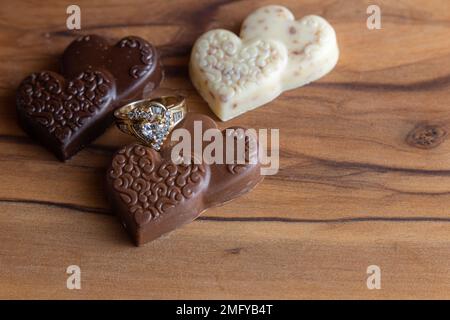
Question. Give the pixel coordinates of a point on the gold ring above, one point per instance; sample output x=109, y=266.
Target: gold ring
x=151, y=120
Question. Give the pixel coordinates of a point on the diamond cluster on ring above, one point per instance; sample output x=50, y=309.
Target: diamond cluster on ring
x=153, y=125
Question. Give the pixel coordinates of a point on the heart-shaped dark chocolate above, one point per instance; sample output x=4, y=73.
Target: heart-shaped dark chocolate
x=62, y=113
x=66, y=112
x=152, y=195
x=133, y=62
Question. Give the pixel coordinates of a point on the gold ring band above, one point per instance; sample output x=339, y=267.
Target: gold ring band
x=151, y=120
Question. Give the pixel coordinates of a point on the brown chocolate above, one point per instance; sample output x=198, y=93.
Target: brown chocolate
x=67, y=111
x=133, y=62
x=63, y=115
x=152, y=196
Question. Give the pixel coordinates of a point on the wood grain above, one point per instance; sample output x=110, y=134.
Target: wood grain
x=356, y=185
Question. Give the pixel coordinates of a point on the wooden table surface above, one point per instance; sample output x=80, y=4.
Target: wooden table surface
x=352, y=190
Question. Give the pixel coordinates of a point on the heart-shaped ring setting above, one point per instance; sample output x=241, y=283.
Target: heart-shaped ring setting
x=151, y=120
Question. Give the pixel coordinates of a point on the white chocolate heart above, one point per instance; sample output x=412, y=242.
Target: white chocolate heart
x=235, y=76
x=274, y=53
x=310, y=41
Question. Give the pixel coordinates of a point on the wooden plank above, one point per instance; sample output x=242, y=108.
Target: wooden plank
x=352, y=189
x=213, y=259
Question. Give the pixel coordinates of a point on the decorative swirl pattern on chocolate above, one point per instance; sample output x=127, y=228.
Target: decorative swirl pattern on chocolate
x=147, y=55
x=236, y=168
x=150, y=186
x=63, y=107
x=229, y=67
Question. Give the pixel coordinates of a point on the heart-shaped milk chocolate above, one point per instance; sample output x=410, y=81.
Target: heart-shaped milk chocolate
x=152, y=195
x=65, y=112
x=62, y=113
